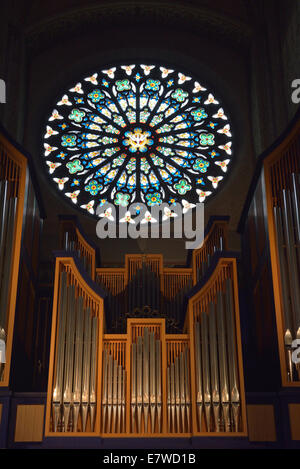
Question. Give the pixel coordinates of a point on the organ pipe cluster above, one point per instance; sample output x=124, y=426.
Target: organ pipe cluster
x=217, y=387
x=287, y=226
x=147, y=387
x=113, y=395
x=8, y=207
x=74, y=391
x=72, y=245
x=146, y=384
x=218, y=245
x=178, y=394
x=142, y=297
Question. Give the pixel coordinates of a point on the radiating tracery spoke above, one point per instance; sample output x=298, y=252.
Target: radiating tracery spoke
x=137, y=133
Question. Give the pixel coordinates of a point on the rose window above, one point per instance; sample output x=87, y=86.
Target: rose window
x=137, y=133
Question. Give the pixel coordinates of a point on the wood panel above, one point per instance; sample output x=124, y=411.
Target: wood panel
x=29, y=423
x=294, y=414
x=261, y=423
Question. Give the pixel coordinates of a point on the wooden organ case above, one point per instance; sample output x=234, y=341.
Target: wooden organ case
x=21, y=219
x=146, y=350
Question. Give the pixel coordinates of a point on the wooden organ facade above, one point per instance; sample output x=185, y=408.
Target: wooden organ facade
x=142, y=382
x=197, y=352
x=22, y=216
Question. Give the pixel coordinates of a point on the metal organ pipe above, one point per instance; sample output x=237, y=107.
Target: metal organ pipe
x=146, y=392
x=217, y=383
x=287, y=228
x=74, y=388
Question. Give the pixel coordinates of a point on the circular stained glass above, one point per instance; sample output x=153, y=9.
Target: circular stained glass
x=137, y=133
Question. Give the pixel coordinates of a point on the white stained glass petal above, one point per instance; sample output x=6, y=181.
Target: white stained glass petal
x=93, y=79
x=147, y=68
x=73, y=196
x=198, y=87
x=107, y=214
x=168, y=214
x=226, y=148
x=52, y=166
x=77, y=89
x=49, y=132
x=187, y=206
x=215, y=180
x=220, y=114
x=148, y=218
x=223, y=165
x=110, y=72
x=60, y=182
x=127, y=218
x=182, y=78
x=55, y=115
x=128, y=68
x=202, y=194
x=64, y=101
x=211, y=100
x=165, y=71
x=49, y=149
x=225, y=130
x=89, y=206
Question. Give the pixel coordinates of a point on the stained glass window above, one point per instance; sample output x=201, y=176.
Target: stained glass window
x=137, y=133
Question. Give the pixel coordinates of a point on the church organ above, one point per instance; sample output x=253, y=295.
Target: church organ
x=122, y=374
x=148, y=350
x=270, y=232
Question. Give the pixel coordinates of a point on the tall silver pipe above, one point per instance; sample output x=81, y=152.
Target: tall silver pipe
x=69, y=356
x=214, y=366
x=187, y=388
x=292, y=259
x=119, y=401
x=182, y=390
x=93, y=366
x=109, y=392
x=104, y=389
x=169, y=398
x=232, y=355
x=123, y=400
x=223, y=362
x=177, y=394
x=115, y=395
x=59, y=368
x=206, y=370
x=172, y=393
x=296, y=204
x=133, y=386
x=76, y=397
x=287, y=307
x=152, y=381
x=199, y=395
x=85, y=397
x=146, y=377
x=139, y=380
x=158, y=384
